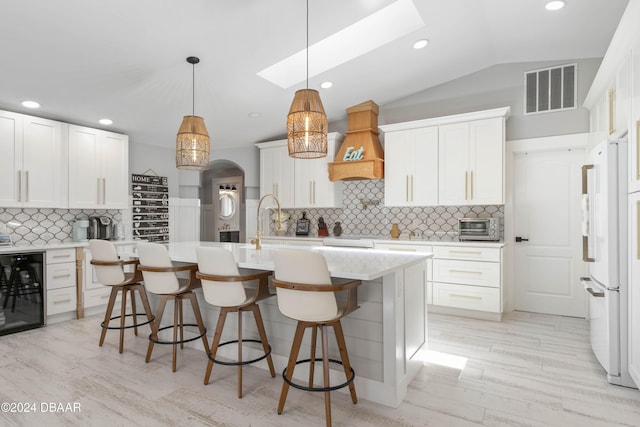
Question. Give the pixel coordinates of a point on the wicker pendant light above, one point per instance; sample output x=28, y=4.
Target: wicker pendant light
x=307, y=121
x=193, y=144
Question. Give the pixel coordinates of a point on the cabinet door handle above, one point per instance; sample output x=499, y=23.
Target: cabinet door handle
x=104, y=191
x=61, y=276
x=62, y=301
x=406, y=188
x=471, y=185
x=412, y=193
x=98, y=187
x=314, y=192
x=466, y=185
x=310, y=193
x=61, y=256
x=26, y=185
x=19, y=185
x=612, y=97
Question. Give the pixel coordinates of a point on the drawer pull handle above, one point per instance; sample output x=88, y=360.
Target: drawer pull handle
x=61, y=301
x=104, y=296
x=61, y=256
x=466, y=252
x=465, y=272
x=61, y=276
x=402, y=250
x=465, y=296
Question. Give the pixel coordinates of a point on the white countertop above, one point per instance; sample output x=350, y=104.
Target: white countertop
x=382, y=239
x=53, y=246
x=346, y=263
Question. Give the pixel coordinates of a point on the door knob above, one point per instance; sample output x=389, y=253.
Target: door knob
x=521, y=239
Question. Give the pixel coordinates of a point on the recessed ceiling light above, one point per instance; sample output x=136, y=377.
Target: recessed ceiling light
x=326, y=85
x=555, y=5
x=254, y=115
x=420, y=44
x=30, y=104
x=105, y=121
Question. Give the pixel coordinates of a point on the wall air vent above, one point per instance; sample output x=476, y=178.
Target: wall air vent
x=550, y=89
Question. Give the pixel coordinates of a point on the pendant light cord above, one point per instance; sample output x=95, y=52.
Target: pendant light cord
x=193, y=89
x=307, y=44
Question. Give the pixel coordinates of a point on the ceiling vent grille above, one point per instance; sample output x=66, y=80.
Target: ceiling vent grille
x=550, y=89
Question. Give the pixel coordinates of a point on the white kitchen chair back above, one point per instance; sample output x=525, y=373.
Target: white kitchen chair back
x=304, y=267
x=156, y=255
x=103, y=250
x=220, y=262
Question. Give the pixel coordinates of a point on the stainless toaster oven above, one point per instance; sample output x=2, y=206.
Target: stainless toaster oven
x=479, y=229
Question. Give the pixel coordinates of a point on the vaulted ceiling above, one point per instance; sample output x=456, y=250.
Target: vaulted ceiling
x=83, y=60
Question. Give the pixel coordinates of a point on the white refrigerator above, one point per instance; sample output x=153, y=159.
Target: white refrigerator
x=605, y=234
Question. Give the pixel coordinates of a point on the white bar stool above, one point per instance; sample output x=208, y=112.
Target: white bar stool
x=110, y=272
x=223, y=286
x=306, y=294
x=160, y=278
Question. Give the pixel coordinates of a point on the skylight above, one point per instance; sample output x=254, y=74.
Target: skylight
x=376, y=30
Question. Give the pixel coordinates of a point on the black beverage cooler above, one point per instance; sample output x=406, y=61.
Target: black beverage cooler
x=21, y=292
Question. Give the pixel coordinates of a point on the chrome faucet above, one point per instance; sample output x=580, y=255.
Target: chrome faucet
x=259, y=216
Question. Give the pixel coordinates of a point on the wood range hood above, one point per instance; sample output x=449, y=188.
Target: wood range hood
x=360, y=155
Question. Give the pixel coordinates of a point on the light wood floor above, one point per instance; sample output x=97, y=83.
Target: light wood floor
x=528, y=370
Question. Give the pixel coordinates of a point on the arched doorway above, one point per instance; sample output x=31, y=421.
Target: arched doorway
x=222, y=203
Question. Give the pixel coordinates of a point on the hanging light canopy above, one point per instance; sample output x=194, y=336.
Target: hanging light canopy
x=193, y=144
x=307, y=121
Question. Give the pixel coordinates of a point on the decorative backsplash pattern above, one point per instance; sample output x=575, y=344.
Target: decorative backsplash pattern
x=41, y=225
x=364, y=214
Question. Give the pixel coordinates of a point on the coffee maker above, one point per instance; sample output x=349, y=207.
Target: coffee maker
x=100, y=227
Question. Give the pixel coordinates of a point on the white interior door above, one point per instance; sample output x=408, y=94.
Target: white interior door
x=548, y=261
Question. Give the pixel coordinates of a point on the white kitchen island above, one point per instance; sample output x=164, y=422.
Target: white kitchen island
x=383, y=336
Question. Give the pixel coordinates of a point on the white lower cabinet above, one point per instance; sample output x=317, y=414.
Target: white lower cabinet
x=466, y=297
x=61, y=281
x=468, y=278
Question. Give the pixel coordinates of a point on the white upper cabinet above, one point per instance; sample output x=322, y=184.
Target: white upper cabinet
x=299, y=183
x=98, y=169
x=277, y=172
x=411, y=167
x=471, y=163
x=34, y=172
x=312, y=186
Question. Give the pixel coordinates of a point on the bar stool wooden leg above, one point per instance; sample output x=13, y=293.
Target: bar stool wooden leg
x=176, y=308
x=222, y=317
x=155, y=326
x=325, y=371
x=293, y=357
x=263, y=337
x=123, y=312
x=342, y=347
x=132, y=295
x=107, y=316
x=312, y=363
x=199, y=321
x=239, y=353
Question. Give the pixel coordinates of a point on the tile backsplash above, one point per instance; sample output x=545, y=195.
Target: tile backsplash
x=31, y=226
x=364, y=214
